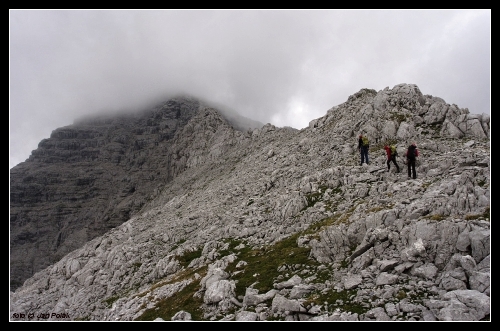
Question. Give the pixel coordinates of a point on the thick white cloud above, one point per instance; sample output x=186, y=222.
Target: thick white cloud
x=285, y=67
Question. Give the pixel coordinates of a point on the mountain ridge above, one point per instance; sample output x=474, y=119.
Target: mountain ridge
x=78, y=166
x=262, y=187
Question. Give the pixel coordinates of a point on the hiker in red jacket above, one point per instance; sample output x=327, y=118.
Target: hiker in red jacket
x=390, y=158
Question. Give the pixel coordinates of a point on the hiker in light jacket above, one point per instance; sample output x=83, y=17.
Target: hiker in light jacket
x=363, y=149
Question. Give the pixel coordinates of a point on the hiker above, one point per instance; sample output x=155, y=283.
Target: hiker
x=411, y=158
x=363, y=146
x=391, y=157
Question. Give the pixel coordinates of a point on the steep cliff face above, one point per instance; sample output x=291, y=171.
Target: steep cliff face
x=89, y=177
x=273, y=223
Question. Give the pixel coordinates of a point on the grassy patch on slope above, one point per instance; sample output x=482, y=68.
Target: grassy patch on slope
x=262, y=265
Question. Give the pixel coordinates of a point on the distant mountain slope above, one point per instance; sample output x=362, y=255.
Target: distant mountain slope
x=89, y=177
x=283, y=224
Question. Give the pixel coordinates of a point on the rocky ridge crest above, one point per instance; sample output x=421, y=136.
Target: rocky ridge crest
x=92, y=176
x=283, y=224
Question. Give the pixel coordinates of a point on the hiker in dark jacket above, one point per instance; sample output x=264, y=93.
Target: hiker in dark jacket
x=390, y=158
x=363, y=149
x=411, y=158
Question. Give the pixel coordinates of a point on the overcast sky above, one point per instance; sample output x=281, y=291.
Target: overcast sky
x=285, y=67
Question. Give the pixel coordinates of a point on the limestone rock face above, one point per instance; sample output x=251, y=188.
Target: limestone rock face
x=90, y=177
x=177, y=213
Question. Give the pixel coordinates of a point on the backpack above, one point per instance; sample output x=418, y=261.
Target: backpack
x=365, y=142
x=394, y=151
x=411, y=152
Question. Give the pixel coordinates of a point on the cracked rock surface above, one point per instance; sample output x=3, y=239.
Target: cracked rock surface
x=267, y=223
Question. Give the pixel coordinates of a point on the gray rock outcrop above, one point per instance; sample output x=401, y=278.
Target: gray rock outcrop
x=92, y=176
x=283, y=224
